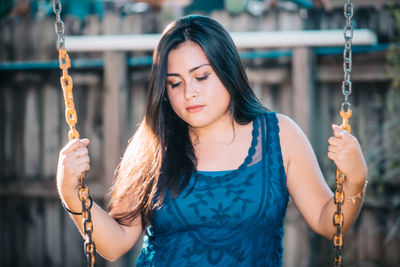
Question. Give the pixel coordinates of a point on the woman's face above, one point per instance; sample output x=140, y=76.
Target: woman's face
x=194, y=90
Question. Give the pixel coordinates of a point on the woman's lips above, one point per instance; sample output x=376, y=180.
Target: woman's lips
x=193, y=109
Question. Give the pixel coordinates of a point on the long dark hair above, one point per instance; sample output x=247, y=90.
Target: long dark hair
x=160, y=156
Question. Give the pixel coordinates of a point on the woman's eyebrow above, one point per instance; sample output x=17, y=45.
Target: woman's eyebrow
x=190, y=71
x=198, y=67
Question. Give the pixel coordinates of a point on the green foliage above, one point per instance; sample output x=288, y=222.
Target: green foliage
x=383, y=152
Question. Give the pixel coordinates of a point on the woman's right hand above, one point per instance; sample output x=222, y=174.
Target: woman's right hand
x=73, y=161
x=112, y=239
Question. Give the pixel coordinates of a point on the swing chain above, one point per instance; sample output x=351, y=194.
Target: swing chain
x=71, y=118
x=59, y=26
x=345, y=113
x=347, y=54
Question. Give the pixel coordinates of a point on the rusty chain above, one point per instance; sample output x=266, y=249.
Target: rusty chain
x=71, y=118
x=345, y=113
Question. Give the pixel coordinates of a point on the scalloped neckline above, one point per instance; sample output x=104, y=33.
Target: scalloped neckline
x=246, y=161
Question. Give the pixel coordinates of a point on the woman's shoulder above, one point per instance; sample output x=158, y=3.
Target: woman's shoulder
x=287, y=125
x=291, y=136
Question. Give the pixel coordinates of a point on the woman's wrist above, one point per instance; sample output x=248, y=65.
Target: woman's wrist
x=355, y=191
x=70, y=199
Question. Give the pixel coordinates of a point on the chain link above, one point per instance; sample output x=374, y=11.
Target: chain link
x=347, y=54
x=59, y=25
x=71, y=118
x=345, y=113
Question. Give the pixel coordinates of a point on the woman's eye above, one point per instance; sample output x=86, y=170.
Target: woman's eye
x=174, y=85
x=204, y=77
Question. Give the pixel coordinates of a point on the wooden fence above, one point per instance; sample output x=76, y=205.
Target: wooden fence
x=35, y=230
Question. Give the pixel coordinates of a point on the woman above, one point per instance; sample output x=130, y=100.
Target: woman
x=210, y=170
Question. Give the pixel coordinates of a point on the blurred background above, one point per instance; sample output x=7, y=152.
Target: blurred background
x=300, y=80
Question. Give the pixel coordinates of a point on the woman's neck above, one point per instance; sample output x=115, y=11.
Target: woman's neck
x=222, y=131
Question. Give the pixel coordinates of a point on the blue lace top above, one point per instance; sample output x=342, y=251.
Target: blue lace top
x=230, y=218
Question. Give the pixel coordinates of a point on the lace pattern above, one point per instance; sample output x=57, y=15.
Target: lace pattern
x=231, y=218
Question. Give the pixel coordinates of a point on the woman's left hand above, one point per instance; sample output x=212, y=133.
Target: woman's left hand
x=344, y=149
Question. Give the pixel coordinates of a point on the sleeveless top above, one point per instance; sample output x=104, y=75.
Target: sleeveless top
x=226, y=218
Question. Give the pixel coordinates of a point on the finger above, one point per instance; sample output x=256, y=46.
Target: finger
x=83, y=160
x=80, y=168
x=333, y=149
x=73, y=154
x=334, y=141
x=331, y=156
x=71, y=146
x=75, y=144
x=85, y=141
x=84, y=168
x=338, y=131
x=87, y=167
x=81, y=152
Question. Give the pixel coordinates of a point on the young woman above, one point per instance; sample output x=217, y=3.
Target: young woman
x=209, y=171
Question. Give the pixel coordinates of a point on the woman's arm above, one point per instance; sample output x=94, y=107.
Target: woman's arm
x=112, y=240
x=306, y=184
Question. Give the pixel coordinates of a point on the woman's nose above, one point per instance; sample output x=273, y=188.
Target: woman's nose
x=190, y=91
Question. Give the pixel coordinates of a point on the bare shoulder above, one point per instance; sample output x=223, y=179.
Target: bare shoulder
x=291, y=137
x=287, y=127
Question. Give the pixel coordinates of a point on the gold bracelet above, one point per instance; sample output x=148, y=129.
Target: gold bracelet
x=360, y=195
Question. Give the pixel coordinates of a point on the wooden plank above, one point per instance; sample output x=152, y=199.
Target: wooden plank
x=35, y=233
x=72, y=243
x=51, y=126
x=6, y=129
x=52, y=250
x=92, y=25
x=19, y=214
x=35, y=36
x=20, y=40
x=93, y=131
x=222, y=17
x=268, y=22
x=43, y=189
x=392, y=245
x=115, y=86
x=361, y=73
x=48, y=39
x=286, y=99
x=17, y=113
x=322, y=125
x=131, y=24
x=86, y=79
x=4, y=238
x=31, y=148
x=365, y=3
x=266, y=98
x=133, y=99
x=369, y=240
x=302, y=88
x=80, y=99
x=73, y=24
x=115, y=81
x=242, y=22
x=6, y=40
x=276, y=75
x=288, y=21
x=111, y=24
x=257, y=89
x=136, y=107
